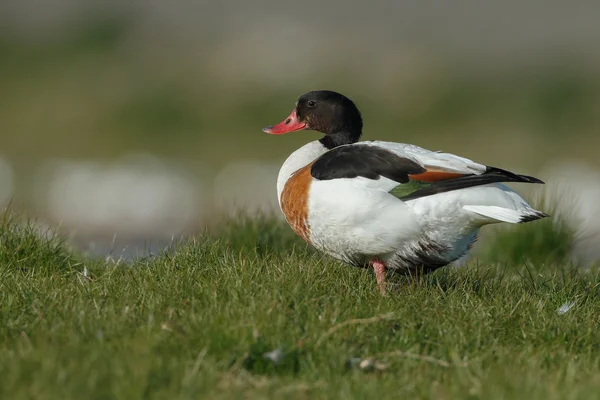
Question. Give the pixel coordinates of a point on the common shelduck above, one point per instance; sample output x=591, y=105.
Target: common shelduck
x=342, y=196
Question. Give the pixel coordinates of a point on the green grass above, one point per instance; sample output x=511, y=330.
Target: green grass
x=196, y=321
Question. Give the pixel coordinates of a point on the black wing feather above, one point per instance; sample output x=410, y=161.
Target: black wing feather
x=366, y=161
x=374, y=162
x=491, y=175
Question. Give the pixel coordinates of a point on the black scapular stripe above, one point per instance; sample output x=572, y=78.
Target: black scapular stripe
x=366, y=161
x=491, y=175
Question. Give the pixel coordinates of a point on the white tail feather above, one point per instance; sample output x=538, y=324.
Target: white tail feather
x=502, y=214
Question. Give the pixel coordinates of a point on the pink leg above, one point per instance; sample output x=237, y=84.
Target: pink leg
x=379, y=269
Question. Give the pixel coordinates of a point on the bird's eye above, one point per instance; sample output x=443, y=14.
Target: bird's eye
x=312, y=103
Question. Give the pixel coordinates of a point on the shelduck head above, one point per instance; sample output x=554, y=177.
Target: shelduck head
x=325, y=111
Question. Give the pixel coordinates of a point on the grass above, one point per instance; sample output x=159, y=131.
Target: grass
x=198, y=320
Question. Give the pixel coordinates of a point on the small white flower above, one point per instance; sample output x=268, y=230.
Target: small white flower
x=565, y=307
x=276, y=355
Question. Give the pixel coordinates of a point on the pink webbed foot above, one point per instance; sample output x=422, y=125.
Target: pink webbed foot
x=379, y=268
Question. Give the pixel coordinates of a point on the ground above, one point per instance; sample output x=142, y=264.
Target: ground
x=251, y=312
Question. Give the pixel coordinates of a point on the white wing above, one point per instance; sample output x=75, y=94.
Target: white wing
x=431, y=160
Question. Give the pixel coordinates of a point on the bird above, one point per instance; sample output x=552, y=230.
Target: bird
x=386, y=205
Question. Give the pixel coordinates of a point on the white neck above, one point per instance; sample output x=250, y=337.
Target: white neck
x=298, y=159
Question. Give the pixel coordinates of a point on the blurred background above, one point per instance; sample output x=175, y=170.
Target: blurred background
x=129, y=123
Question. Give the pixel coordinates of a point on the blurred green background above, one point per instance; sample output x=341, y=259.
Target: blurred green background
x=143, y=119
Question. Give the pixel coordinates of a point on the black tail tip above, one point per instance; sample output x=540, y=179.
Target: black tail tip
x=512, y=176
x=533, y=216
x=531, y=179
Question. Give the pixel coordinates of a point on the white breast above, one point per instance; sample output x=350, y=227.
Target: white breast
x=298, y=159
